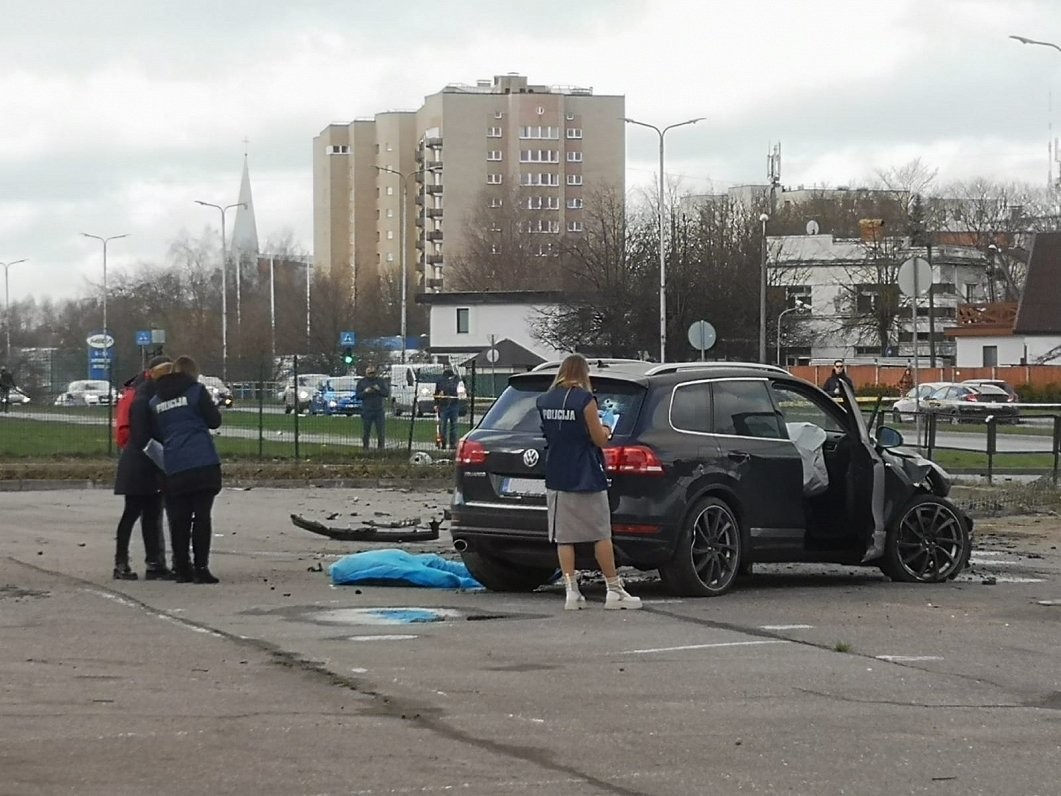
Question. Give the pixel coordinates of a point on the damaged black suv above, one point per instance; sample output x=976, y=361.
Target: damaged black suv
x=709, y=472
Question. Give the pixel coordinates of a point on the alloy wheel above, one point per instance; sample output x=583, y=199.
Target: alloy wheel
x=930, y=542
x=715, y=546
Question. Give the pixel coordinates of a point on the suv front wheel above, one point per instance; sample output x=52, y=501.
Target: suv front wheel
x=929, y=543
x=708, y=557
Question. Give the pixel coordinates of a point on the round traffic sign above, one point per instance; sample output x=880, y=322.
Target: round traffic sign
x=492, y=355
x=911, y=269
x=702, y=335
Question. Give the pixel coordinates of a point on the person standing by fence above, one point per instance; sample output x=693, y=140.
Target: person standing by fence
x=447, y=402
x=138, y=479
x=7, y=386
x=372, y=391
x=183, y=413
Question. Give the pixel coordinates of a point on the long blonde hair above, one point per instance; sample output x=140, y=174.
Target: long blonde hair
x=574, y=372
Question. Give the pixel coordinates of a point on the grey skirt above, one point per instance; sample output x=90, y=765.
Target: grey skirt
x=578, y=516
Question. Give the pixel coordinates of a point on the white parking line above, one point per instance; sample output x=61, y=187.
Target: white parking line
x=907, y=658
x=392, y=637
x=703, y=646
x=786, y=627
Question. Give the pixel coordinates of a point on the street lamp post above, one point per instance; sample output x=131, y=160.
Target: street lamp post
x=7, y=309
x=662, y=253
x=799, y=306
x=105, y=241
x=402, y=199
x=222, y=209
x=762, y=292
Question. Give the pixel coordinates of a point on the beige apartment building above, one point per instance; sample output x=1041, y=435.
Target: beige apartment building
x=464, y=149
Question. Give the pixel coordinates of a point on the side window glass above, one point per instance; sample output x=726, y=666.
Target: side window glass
x=799, y=408
x=744, y=408
x=690, y=408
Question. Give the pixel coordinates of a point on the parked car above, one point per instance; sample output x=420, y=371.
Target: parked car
x=17, y=398
x=1013, y=397
x=219, y=391
x=958, y=403
x=705, y=480
x=904, y=410
x=336, y=396
x=299, y=400
x=86, y=392
x=413, y=388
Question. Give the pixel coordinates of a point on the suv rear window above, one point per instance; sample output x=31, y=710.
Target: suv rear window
x=516, y=409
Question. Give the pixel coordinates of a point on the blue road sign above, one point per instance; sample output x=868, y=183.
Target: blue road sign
x=143, y=337
x=347, y=338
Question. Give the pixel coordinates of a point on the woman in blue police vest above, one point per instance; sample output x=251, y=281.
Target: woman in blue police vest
x=575, y=484
x=182, y=415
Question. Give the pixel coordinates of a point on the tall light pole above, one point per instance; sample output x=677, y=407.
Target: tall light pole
x=662, y=253
x=762, y=292
x=1025, y=40
x=7, y=308
x=402, y=199
x=222, y=209
x=105, y=241
x=799, y=306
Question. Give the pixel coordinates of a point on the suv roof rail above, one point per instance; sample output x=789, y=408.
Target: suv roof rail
x=674, y=367
x=598, y=362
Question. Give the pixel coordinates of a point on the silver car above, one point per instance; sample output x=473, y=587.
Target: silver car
x=299, y=400
x=85, y=392
x=904, y=410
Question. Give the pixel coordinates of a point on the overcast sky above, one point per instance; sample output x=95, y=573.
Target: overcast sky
x=115, y=115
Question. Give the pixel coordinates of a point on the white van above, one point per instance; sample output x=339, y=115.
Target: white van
x=413, y=386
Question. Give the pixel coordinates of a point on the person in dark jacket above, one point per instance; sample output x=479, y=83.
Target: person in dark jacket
x=839, y=374
x=448, y=405
x=183, y=413
x=576, y=488
x=7, y=386
x=140, y=482
x=372, y=390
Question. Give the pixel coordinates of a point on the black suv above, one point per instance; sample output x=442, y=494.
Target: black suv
x=704, y=481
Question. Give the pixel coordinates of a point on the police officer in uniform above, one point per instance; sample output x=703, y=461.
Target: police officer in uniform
x=575, y=485
x=372, y=390
x=183, y=413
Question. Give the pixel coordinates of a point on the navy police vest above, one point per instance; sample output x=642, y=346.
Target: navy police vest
x=572, y=462
x=186, y=438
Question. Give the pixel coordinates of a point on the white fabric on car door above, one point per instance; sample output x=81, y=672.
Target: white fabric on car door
x=808, y=439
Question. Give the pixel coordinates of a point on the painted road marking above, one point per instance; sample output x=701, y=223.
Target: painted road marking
x=786, y=627
x=907, y=658
x=703, y=646
x=393, y=637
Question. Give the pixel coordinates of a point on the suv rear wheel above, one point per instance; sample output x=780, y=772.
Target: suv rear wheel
x=498, y=575
x=709, y=552
x=928, y=544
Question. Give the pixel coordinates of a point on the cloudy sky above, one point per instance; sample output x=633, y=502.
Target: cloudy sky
x=115, y=115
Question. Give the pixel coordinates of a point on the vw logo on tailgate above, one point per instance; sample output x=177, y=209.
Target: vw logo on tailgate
x=530, y=457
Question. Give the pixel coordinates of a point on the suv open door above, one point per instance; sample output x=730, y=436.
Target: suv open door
x=865, y=480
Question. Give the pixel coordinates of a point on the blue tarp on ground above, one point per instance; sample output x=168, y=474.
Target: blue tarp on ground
x=399, y=568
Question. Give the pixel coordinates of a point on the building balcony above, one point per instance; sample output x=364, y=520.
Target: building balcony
x=434, y=212
x=433, y=190
x=433, y=284
x=433, y=259
x=978, y=320
x=435, y=236
x=434, y=142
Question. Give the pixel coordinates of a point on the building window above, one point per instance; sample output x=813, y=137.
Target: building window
x=493, y=154
x=539, y=132
x=797, y=295
x=574, y=132
x=539, y=178
x=539, y=156
x=390, y=234
x=499, y=114
x=574, y=157
x=493, y=132
x=390, y=258
x=390, y=213
x=574, y=179
x=570, y=117
x=493, y=178
x=574, y=226
x=574, y=204
x=390, y=190
x=495, y=202
x=462, y=320
x=338, y=149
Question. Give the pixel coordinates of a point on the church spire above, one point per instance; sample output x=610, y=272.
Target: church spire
x=245, y=230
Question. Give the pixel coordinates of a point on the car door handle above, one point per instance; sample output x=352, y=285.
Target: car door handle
x=738, y=456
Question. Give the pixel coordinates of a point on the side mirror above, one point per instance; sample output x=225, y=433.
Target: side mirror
x=888, y=437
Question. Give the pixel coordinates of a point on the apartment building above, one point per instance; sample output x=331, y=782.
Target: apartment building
x=468, y=147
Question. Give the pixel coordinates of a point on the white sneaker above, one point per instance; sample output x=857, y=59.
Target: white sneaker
x=619, y=599
x=574, y=601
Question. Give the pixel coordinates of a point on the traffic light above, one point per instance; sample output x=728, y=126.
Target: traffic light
x=348, y=355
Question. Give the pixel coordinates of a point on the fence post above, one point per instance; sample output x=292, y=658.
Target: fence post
x=471, y=398
x=261, y=411
x=294, y=375
x=930, y=434
x=412, y=411
x=992, y=440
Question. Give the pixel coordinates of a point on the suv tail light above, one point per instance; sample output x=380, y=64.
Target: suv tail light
x=470, y=453
x=632, y=460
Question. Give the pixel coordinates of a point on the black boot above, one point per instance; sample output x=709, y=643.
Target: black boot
x=156, y=572
x=122, y=571
x=203, y=575
x=182, y=573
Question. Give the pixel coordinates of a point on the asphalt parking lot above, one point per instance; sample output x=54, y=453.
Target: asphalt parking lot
x=805, y=679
